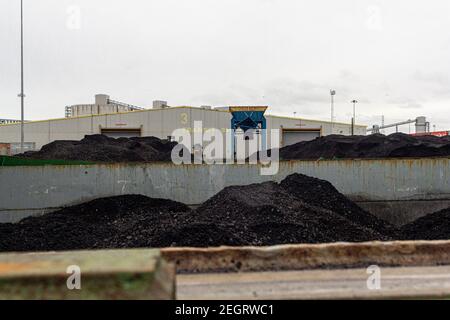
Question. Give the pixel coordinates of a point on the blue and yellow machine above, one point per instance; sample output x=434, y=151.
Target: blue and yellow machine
x=247, y=118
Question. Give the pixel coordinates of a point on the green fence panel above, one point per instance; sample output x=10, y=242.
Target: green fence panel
x=7, y=161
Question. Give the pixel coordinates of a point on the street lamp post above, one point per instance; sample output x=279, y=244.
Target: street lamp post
x=332, y=93
x=22, y=94
x=354, y=116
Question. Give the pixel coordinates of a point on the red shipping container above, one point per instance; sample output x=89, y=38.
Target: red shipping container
x=5, y=149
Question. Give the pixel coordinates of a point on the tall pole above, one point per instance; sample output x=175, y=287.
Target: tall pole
x=22, y=95
x=354, y=116
x=332, y=93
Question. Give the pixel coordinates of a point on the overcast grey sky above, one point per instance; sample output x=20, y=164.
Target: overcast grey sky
x=393, y=56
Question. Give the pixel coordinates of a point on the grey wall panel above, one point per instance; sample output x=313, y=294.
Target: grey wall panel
x=39, y=189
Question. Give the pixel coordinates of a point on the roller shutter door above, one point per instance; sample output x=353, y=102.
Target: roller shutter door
x=121, y=133
x=292, y=136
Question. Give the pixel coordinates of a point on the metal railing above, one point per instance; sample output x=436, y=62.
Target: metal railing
x=9, y=121
x=126, y=105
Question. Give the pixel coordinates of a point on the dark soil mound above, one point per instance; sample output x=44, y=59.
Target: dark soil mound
x=124, y=221
x=396, y=145
x=323, y=194
x=104, y=149
x=435, y=226
x=295, y=211
x=269, y=213
x=198, y=234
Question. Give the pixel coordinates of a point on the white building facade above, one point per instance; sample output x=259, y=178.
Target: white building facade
x=117, y=121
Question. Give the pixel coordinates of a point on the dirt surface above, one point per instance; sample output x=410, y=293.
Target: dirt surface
x=435, y=226
x=397, y=145
x=259, y=214
x=104, y=149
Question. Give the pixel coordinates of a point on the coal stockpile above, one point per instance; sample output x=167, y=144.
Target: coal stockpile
x=397, y=145
x=116, y=222
x=435, y=226
x=101, y=148
x=323, y=194
x=259, y=214
x=268, y=214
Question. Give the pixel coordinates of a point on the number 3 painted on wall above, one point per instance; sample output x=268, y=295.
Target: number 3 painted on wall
x=184, y=118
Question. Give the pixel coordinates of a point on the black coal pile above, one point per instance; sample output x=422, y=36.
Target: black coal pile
x=268, y=214
x=323, y=194
x=397, y=145
x=258, y=214
x=116, y=222
x=435, y=226
x=105, y=149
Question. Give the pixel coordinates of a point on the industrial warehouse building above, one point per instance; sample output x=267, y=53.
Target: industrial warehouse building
x=116, y=119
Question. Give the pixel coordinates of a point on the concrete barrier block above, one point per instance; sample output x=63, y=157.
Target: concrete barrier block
x=86, y=275
x=309, y=256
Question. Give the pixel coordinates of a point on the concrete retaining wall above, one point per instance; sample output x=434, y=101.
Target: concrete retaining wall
x=308, y=256
x=28, y=191
x=103, y=275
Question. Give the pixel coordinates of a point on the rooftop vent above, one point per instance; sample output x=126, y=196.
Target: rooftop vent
x=159, y=104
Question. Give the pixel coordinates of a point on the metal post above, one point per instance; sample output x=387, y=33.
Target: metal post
x=22, y=95
x=264, y=135
x=332, y=93
x=354, y=116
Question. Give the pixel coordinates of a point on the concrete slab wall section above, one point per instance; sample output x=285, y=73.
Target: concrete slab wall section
x=28, y=191
x=104, y=275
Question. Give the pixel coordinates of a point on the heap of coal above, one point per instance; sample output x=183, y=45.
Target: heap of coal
x=299, y=210
x=105, y=149
x=268, y=214
x=102, y=223
x=100, y=148
x=323, y=194
x=435, y=226
x=397, y=145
